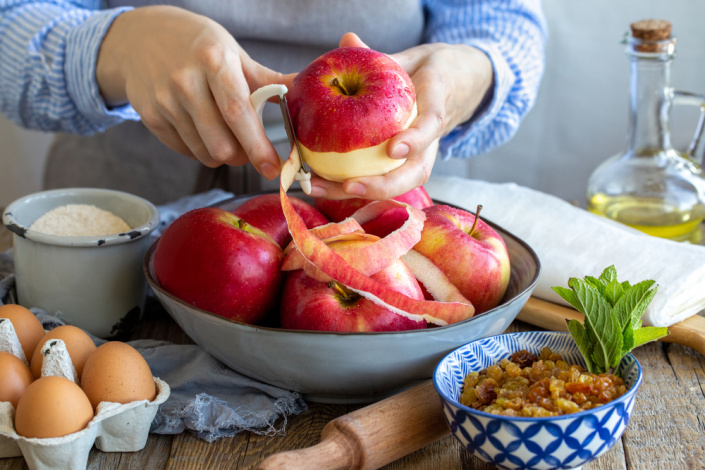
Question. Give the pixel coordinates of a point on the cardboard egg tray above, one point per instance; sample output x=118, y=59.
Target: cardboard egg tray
x=114, y=428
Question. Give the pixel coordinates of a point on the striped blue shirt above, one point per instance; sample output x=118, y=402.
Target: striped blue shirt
x=48, y=53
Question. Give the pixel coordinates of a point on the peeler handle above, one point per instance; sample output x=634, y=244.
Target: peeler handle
x=259, y=98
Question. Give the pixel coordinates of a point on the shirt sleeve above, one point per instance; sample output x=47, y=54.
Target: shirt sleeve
x=47, y=65
x=512, y=33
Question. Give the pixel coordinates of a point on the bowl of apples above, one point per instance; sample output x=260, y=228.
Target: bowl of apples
x=213, y=268
x=342, y=301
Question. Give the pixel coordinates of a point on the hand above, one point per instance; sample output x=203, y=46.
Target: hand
x=190, y=82
x=450, y=82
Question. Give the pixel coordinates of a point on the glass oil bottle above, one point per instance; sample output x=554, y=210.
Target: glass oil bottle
x=652, y=186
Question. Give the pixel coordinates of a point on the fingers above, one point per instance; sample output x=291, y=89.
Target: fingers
x=352, y=40
x=414, y=172
x=231, y=93
x=430, y=123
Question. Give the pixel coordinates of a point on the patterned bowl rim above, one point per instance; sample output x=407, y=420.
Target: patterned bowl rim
x=631, y=391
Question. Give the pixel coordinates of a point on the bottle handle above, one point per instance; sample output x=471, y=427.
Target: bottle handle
x=692, y=99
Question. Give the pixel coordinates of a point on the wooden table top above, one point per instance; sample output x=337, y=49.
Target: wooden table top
x=667, y=428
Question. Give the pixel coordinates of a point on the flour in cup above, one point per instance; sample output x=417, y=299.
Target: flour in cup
x=79, y=220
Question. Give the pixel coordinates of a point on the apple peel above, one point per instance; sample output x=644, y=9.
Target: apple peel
x=434, y=280
x=295, y=259
x=317, y=253
x=376, y=256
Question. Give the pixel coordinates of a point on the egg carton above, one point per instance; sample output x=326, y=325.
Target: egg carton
x=115, y=427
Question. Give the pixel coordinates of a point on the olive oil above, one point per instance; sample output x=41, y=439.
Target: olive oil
x=653, y=216
x=652, y=186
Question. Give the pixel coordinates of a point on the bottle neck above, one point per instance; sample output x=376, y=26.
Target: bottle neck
x=650, y=105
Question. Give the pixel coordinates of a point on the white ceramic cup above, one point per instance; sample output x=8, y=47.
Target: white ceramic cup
x=93, y=282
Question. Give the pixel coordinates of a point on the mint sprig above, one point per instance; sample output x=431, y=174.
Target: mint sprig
x=613, y=311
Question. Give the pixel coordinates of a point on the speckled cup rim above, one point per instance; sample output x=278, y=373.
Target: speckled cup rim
x=455, y=402
x=86, y=196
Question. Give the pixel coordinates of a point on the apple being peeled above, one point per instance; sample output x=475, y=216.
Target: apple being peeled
x=265, y=212
x=308, y=304
x=345, y=106
x=215, y=261
x=472, y=255
x=340, y=209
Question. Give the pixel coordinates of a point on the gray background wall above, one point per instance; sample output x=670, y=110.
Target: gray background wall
x=580, y=117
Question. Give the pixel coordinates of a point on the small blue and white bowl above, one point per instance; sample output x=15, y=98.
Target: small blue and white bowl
x=566, y=441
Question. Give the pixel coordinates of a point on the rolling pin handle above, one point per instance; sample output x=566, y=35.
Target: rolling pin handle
x=329, y=454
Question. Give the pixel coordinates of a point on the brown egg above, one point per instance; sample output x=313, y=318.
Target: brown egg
x=117, y=372
x=27, y=326
x=16, y=377
x=78, y=344
x=52, y=407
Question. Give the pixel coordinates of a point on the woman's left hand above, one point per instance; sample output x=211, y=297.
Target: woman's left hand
x=451, y=81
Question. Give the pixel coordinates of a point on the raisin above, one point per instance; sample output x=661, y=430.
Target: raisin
x=485, y=391
x=524, y=358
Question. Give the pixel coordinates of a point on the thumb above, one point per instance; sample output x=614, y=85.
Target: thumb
x=352, y=40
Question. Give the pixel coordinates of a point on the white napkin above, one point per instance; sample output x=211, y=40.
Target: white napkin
x=572, y=242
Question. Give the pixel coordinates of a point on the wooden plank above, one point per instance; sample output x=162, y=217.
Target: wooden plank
x=190, y=452
x=302, y=431
x=15, y=463
x=666, y=429
x=154, y=455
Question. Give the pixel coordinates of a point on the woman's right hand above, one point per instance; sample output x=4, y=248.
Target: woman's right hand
x=190, y=81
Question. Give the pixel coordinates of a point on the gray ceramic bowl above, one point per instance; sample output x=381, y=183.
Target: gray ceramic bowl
x=94, y=282
x=345, y=367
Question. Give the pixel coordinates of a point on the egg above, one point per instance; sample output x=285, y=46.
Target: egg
x=117, y=372
x=52, y=406
x=16, y=377
x=27, y=326
x=78, y=344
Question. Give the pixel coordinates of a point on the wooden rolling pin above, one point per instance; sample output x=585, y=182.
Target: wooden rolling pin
x=373, y=436
x=689, y=332
x=382, y=432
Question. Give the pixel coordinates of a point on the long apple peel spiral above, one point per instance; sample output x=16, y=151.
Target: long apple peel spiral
x=316, y=252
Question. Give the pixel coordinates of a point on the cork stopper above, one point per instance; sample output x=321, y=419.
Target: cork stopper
x=650, y=33
x=651, y=30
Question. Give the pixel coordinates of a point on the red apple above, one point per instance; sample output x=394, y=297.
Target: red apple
x=216, y=261
x=340, y=209
x=265, y=213
x=391, y=220
x=474, y=258
x=345, y=106
x=308, y=304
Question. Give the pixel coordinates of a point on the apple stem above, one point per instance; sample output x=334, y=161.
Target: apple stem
x=340, y=289
x=477, y=217
x=241, y=223
x=340, y=85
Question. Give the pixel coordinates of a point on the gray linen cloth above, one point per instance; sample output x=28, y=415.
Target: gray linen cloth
x=207, y=398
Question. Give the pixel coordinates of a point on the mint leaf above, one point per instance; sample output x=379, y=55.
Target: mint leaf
x=613, y=292
x=648, y=334
x=632, y=305
x=596, y=283
x=598, y=314
x=609, y=274
x=612, y=326
x=628, y=339
x=581, y=339
x=569, y=296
